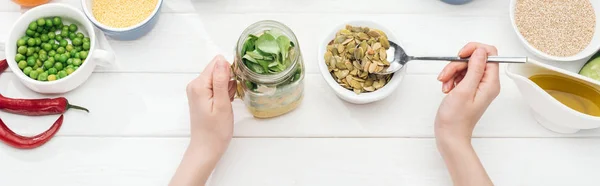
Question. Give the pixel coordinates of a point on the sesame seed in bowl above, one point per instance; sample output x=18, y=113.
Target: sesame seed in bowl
x=123, y=20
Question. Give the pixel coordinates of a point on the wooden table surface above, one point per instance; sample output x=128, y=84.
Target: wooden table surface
x=138, y=128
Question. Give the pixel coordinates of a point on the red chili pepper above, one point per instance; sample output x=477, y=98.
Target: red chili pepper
x=37, y=107
x=21, y=142
x=3, y=65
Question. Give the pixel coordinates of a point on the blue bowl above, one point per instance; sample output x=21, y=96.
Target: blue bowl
x=129, y=33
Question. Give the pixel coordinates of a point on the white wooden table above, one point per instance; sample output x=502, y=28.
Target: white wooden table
x=138, y=128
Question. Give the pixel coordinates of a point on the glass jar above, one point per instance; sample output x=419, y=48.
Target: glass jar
x=270, y=95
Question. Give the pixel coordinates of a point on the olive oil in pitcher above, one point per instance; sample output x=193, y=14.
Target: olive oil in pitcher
x=578, y=96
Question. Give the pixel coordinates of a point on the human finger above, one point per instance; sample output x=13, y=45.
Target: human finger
x=220, y=84
x=475, y=71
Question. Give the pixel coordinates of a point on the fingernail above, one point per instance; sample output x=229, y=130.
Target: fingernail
x=445, y=88
x=220, y=67
x=441, y=75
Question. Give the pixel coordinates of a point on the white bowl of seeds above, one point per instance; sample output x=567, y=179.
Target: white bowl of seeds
x=351, y=86
x=557, y=30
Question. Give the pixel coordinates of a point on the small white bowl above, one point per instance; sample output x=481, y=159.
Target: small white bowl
x=590, y=50
x=68, y=15
x=349, y=95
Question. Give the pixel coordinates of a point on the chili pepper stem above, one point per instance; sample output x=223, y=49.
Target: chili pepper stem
x=69, y=106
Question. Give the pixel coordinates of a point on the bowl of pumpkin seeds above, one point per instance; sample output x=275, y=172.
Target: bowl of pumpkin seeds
x=350, y=57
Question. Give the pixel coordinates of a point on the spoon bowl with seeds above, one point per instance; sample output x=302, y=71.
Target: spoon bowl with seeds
x=400, y=58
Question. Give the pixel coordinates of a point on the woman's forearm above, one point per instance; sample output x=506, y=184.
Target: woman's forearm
x=196, y=167
x=462, y=163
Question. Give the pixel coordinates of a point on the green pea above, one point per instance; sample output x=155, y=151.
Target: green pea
x=52, y=77
x=39, y=70
x=59, y=37
x=33, y=25
x=80, y=35
x=36, y=66
x=62, y=74
x=38, y=30
x=21, y=42
x=51, y=35
x=60, y=50
x=41, y=22
x=83, y=55
x=22, y=64
x=49, y=22
x=77, y=55
x=70, y=62
x=75, y=68
x=65, y=27
x=36, y=34
x=38, y=41
x=47, y=47
x=69, y=48
x=63, y=58
x=58, y=66
x=63, y=43
x=38, y=63
x=30, y=51
x=31, y=62
x=42, y=52
x=56, y=56
x=43, y=76
x=72, y=36
x=44, y=31
x=86, y=45
x=22, y=50
x=52, y=29
x=30, y=33
x=64, y=33
x=43, y=57
x=51, y=53
x=86, y=39
x=31, y=42
x=56, y=21
x=70, y=70
x=52, y=70
x=37, y=49
x=76, y=62
x=48, y=64
x=73, y=28
x=79, y=48
x=77, y=42
x=19, y=57
x=44, y=37
x=51, y=59
x=55, y=46
x=27, y=70
x=72, y=53
x=33, y=74
x=36, y=55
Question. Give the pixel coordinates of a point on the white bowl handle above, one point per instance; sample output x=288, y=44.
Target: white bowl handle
x=103, y=58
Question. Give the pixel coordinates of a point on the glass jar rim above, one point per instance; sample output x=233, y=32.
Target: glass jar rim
x=262, y=26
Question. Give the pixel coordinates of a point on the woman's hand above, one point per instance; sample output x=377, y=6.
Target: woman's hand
x=471, y=88
x=211, y=120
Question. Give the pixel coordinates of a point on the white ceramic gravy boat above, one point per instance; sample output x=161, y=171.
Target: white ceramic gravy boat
x=548, y=111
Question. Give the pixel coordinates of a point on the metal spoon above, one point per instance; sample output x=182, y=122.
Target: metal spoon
x=401, y=58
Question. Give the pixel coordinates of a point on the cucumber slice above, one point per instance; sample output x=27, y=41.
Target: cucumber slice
x=592, y=69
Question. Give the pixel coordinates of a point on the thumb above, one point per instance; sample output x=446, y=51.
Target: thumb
x=475, y=71
x=221, y=85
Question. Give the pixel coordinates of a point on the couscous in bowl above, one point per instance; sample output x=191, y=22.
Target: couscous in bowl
x=130, y=32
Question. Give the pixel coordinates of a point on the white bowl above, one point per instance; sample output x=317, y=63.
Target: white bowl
x=590, y=50
x=68, y=15
x=349, y=95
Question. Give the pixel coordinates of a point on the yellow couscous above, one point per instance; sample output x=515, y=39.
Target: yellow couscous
x=122, y=13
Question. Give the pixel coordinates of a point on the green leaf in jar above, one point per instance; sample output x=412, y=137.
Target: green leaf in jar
x=284, y=46
x=249, y=58
x=255, y=55
x=266, y=43
x=249, y=45
x=256, y=68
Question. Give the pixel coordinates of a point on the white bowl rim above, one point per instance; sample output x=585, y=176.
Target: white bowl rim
x=91, y=33
x=552, y=99
x=579, y=56
x=387, y=90
x=91, y=17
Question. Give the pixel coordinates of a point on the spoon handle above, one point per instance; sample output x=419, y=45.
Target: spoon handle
x=494, y=59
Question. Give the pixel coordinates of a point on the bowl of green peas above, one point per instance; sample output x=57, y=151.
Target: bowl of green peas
x=51, y=48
